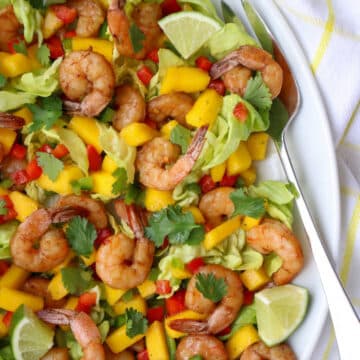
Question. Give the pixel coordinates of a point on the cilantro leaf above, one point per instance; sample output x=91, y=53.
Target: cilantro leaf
x=137, y=37
x=103, y=31
x=181, y=136
x=257, y=93
x=279, y=116
x=20, y=48
x=106, y=115
x=193, y=187
x=85, y=183
x=136, y=323
x=2, y=81
x=211, y=287
x=43, y=55
x=179, y=227
x=121, y=181
x=81, y=235
x=134, y=195
x=50, y=164
x=75, y=280
x=3, y=208
x=247, y=205
x=42, y=4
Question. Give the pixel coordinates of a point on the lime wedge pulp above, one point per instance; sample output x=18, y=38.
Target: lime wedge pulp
x=31, y=338
x=188, y=30
x=279, y=311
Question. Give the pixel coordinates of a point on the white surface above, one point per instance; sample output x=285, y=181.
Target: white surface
x=312, y=150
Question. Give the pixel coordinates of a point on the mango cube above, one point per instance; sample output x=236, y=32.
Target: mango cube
x=14, y=278
x=239, y=161
x=156, y=344
x=103, y=183
x=257, y=145
x=147, y=288
x=197, y=214
x=7, y=139
x=156, y=200
x=118, y=340
x=87, y=129
x=243, y=338
x=51, y=24
x=56, y=287
x=12, y=65
x=100, y=46
x=113, y=295
x=11, y=299
x=249, y=176
x=137, y=134
x=254, y=279
x=168, y=128
x=249, y=222
x=23, y=205
x=218, y=172
x=109, y=165
x=137, y=303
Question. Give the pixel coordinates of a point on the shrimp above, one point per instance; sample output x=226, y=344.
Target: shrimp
x=159, y=152
x=122, y=262
x=52, y=246
x=207, y=346
x=56, y=354
x=273, y=236
x=254, y=59
x=259, y=351
x=91, y=16
x=10, y=27
x=123, y=355
x=217, y=203
x=174, y=105
x=88, y=80
x=130, y=106
x=145, y=16
x=94, y=210
x=235, y=80
x=220, y=315
x=83, y=328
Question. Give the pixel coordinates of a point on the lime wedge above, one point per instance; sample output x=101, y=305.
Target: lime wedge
x=31, y=338
x=279, y=311
x=188, y=30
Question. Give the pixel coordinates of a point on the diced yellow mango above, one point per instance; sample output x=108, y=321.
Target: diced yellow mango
x=137, y=134
x=35, y=64
x=257, y=145
x=105, y=4
x=168, y=128
x=109, y=165
x=119, y=341
x=156, y=200
x=249, y=176
x=156, y=344
x=205, y=109
x=4, y=191
x=113, y=295
x=65, y=263
x=62, y=185
x=7, y=138
x=239, y=161
x=243, y=338
x=254, y=279
x=25, y=113
x=11, y=299
x=197, y=214
x=3, y=328
x=179, y=273
x=137, y=303
x=147, y=288
x=23, y=205
x=71, y=303
x=219, y=233
x=51, y=24
x=14, y=278
x=89, y=260
x=56, y=287
x=186, y=79
x=87, y=129
x=187, y=314
x=100, y=46
x=12, y=65
x=102, y=183
x=218, y=172
x=249, y=222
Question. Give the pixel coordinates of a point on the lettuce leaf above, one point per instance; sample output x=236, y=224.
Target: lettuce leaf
x=185, y=195
x=7, y=230
x=10, y=100
x=272, y=263
x=206, y=7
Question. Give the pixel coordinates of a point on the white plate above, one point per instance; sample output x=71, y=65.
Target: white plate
x=311, y=148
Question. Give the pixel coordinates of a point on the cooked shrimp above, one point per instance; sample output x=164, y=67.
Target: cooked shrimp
x=122, y=262
x=217, y=203
x=130, y=106
x=220, y=315
x=88, y=80
x=94, y=209
x=273, y=236
x=235, y=80
x=83, y=328
x=159, y=152
x=10, y=27
x=11, y=121
x=254, y=59
x=259, y=351
x=174, y=105
x=91, y=16
x=56, y=354
x=207, y=346
x=145, y=16
x=52, y=246
x=123, y=355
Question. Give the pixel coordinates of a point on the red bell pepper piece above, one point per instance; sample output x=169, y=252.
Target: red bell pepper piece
x=176, y=303
x=86, y=302
x=248, y=297
x=203, y=63
x=142, y=355
x=153, y=55
x=70, y=34
x=33, y=170
x=145, y=74
x=102, y=235
x=55, y=46
x=7, y=318
x=194, y=265
x=226, y=331
x=163, y=287
x=170, y=6
x=60, y=151
x=4, y=266
x=94, y=157
x=218, y=85
x=155, y=314
x=66, y=14
x=207, y=184
x=45, y=148
x=208, y=227
x=18, y=151
x=150, y=123
x=228, y=180
x=11, y=213
x=241, y=112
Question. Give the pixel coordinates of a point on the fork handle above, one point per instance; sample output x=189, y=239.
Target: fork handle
x=345, y=321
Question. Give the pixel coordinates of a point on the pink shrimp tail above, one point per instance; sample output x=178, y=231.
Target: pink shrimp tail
x=57, y=316
x=190, y=326
x=197, y=143
x=10, y=121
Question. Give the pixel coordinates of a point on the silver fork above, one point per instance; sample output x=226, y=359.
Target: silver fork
x=344, y=318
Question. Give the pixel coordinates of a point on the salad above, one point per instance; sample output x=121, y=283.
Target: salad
x=132, y=222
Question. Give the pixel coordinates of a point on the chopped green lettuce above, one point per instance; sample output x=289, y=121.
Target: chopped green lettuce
x=206, y=7
x=35, y=192
x=7, y=230
x=272, y=263
x=10, y=100
x=186, y=195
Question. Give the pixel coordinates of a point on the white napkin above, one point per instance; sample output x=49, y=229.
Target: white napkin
x=329, y=32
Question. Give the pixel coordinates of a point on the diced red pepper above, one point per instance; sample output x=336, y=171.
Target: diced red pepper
x=153, y=55
x=45, y=148
x=226, y=331
x=208, y=227
x=11, y=213
x=142, y=355
x=218, y=85
x=60, y=151
x=11, y=44
x=165, y=244
x=145, y=74
x=20, y=177
x=170, y=6
x=163, y=287
x=94, y=157
x=155, y=314
x=66, y=14
x=4, y=266
x=207, y=184
x=18, y=151
x=33, y=170
x=194, y=265
x=150, y=123
x=102, y=235
x=203, y=63
x=175, y=303
x=241, y=112
x=7, y=318
x=228, y=180
x=55, y=46
x=70, y=34
x=248, y=297
x=86, y=302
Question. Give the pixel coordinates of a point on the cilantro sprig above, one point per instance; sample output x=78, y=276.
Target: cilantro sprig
x=76, y=281
x=2, y=81
x=211, y=287
x=20, y=48
x=3, y=208
x=247, y=205
x=120, y=183
x=134, y=321
x=43, y=55
x=50, y=165
x=257, y=93
x=181, y=136
x=137, y=37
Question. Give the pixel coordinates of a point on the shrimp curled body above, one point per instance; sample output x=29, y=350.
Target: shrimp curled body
x=10, y=27
x=259, y=351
